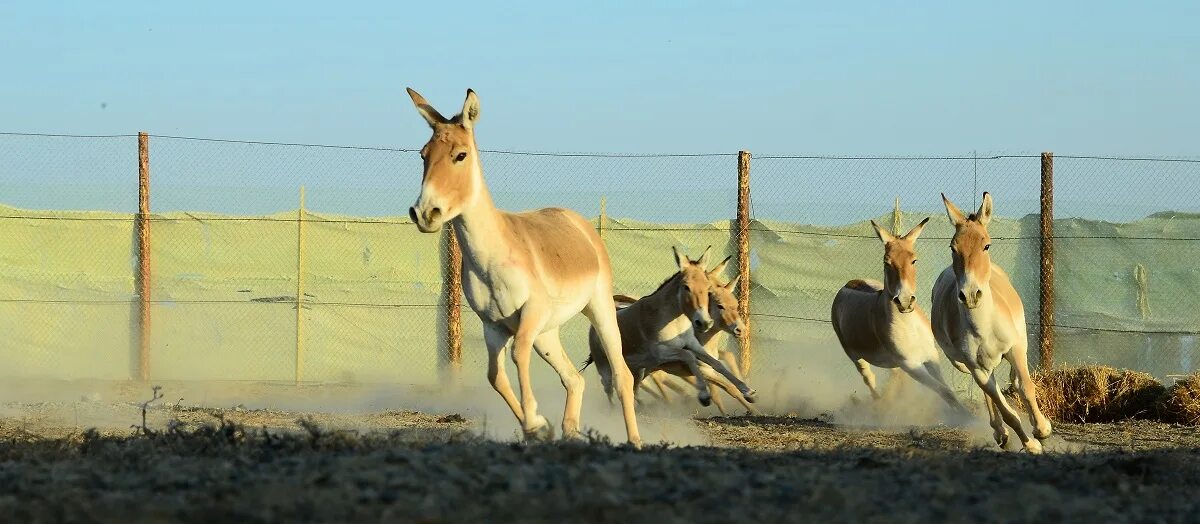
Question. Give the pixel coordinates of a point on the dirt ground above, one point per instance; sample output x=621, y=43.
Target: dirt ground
x=209, y=460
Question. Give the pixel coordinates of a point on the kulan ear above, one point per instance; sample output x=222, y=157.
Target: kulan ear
x=703, y=262
x=985, y=209
x=470, y=110
x=720, y=267
x=431, y=115
x=680, y=259
x=956, y=216
x=883, y=234
x=733, y=282
x=915, y=232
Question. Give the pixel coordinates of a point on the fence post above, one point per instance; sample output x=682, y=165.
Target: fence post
x=897, y=218
x=143, y=256
x=603, y=213
x=453, y=301
x=1046, y=308
x=300, y=288
x=743, y=256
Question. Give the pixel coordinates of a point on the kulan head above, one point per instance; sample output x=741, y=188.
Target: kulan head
x=453, y=177
x=970, y=251
x=900, y=265
x=693, y=289
x=722, y=305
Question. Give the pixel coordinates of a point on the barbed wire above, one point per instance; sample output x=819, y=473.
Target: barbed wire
x=291, y=301
x=776, y=316
x=56, y=135
x=887, y=157
x=283, y=300
x=497, y=151
x=610, y=229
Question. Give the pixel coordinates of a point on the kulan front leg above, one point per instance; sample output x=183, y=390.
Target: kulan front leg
x=704, y=357
x=868, y=376
x=1019, y=362
x=496, y=337
x=689, y=360
x=535, y=426
x=987, y=381
x=713, y=377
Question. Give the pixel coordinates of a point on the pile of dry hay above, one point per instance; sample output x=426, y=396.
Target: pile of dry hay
x=1099, y=394
x=1181, y=403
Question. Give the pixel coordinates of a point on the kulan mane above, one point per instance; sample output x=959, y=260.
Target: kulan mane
x=669, y=279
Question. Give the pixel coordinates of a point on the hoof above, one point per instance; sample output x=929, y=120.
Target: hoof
x=705, y=400
x=574, y=435
x=1043, y=434
x=637, y=444
x=751, y=396
x=540, y=432
x=1002, y=440
x=1033, y=447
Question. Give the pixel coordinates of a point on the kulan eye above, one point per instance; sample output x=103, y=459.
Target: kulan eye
x=720, y=307
x=460, y=157
x=914, y=261
x=987, y=247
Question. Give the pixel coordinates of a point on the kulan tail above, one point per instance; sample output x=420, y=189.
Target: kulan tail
x=587, y=363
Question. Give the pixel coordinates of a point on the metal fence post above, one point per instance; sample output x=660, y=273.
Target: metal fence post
x=453, y=290
x=743, y=257
x=1046, y=307
x=143, y=255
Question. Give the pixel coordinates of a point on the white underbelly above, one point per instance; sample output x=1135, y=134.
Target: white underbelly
x=499, y=298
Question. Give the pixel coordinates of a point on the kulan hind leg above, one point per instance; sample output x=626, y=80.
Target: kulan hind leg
x=602, y=312
x=549, y=347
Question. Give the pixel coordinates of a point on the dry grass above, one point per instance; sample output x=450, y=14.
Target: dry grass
x=1096, y=394
x=1181, y=403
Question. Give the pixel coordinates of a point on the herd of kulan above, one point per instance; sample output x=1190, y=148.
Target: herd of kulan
x=527, y=273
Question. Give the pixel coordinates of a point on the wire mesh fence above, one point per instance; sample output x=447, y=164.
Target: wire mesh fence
x=252, y=281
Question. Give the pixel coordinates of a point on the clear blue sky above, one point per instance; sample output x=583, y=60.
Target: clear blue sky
x=909, y=78
x=829, y=77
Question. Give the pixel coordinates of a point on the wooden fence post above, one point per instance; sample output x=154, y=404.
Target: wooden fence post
x=143, y=255
x=1046, y=307
x=743, y=257
x=300, y=288
x=897, y=218
x=600, y=221
x=453, y=291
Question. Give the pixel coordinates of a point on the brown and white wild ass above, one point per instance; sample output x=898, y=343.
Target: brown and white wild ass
x=881, y=324
x=524, y=274
x=658, y=331
x=978, y=319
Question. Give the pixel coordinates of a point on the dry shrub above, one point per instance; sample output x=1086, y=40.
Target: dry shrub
x=1181, y=404
x=1095, y=394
